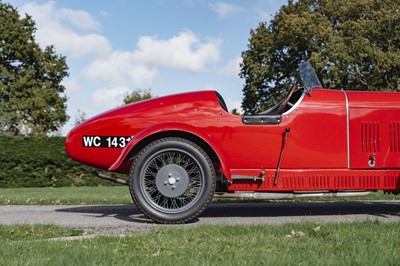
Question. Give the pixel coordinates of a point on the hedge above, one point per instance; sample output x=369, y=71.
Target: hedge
x=41, y=161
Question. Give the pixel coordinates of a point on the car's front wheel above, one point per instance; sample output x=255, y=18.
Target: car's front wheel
x=172, y=180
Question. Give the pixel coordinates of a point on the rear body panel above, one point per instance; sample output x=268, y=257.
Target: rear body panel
x=375, y=129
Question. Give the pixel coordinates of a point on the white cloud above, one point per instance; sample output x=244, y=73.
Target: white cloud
x=139, y=67
x=183, y=51
x=54, y=28
x=120, y=68
x=232, y=68
x=109, y=97
x=223, y=9
x=78, y=18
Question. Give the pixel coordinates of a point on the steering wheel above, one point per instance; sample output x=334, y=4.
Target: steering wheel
x=286, y=100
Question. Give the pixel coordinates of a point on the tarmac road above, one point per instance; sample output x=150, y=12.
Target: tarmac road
x=124, y=219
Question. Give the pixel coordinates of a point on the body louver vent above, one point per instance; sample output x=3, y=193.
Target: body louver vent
x=394, y=136
x=370, y=137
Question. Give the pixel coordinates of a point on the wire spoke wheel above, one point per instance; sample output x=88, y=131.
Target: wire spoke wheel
x=172, y=180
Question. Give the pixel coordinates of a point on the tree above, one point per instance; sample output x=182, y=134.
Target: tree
x=80, y=117
x=352, y=44
x=32, y=99
x=137, y=95
x=235, y=111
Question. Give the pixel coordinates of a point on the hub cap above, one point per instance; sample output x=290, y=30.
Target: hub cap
x=172, y=180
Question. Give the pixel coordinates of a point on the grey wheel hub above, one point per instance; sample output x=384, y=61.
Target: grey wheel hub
x=172, y=180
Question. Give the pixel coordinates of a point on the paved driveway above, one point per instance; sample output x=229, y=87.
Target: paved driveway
x=121, y=219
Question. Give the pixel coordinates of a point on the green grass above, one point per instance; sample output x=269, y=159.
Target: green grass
x=65, y=196
x=28, y=232
x=115, y=195
x=358, y=243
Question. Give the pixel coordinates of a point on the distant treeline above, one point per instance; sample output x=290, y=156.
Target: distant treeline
x=41, y=161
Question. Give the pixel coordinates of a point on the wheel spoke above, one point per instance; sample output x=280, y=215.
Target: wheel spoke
x=174, y=204
x=157, y=198
x=193, y=177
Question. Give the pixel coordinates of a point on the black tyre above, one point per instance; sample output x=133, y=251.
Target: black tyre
x=172, y=180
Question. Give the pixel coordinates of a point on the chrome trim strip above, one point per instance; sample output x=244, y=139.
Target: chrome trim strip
x=348, y=129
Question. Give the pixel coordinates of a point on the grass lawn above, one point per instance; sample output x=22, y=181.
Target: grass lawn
x=114, y=195
x=65, y=196
x=358, y=243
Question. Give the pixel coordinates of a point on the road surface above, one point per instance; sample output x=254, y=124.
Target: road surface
x=124, y=219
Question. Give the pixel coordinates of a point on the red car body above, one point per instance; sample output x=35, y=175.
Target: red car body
x=325, y=141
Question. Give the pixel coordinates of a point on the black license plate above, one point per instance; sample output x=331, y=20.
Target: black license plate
x=105, y=141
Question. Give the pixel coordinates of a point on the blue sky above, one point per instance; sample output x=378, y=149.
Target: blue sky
x=114, y=47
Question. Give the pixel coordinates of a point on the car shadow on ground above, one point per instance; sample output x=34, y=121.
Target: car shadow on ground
x=128, y=213
x=255, y=209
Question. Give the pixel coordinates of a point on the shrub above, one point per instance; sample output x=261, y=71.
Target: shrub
x=41, y=161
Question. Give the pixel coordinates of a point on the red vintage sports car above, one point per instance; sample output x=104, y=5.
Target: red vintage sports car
x=181, y=150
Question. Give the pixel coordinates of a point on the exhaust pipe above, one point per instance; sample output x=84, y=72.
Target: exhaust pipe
x=111, y=178
x=288, y=196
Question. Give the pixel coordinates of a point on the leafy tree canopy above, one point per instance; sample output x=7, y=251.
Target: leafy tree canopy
x=352, y=44
x=137, y=95
x=32, y=100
